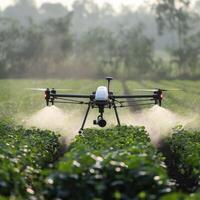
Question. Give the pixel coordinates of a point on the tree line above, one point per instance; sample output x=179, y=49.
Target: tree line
x=91, y=42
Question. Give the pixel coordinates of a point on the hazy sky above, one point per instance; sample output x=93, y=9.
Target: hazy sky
x=116, y=3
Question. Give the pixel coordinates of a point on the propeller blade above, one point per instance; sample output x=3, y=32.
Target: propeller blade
x=37, y=89
x=156, y=89
x=59, y=89
x=145, y=90
x=44, y=89
x=171, y=89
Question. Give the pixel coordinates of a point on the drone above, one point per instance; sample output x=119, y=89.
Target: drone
x=103, y=98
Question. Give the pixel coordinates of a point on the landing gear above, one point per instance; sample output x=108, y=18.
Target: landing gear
x=100, y=121
x=85, y=118
x=116, y=114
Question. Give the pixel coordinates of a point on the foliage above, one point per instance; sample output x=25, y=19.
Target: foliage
x=23, y=153
x=177, y=16
x=33, y=50
x=129, y=51
x=136, y=52
x=181, y=196
x=185, y=148
x=90, y=41
x=173, y=15
x=116, y=163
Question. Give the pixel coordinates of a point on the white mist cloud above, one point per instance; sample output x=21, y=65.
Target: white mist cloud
x=53, y=118
x=158, y=121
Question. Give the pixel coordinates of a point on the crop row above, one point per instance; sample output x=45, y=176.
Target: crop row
x=116, y=163
x=23, y=154
x=183, y=150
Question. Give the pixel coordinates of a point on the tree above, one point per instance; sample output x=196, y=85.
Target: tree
x=99, y=45
x=22, y=10
x=136, y=51
x=192, y=54
x=174, y=15
x=9, y=37
x=197, y=6
x=85, y=16
x=25, y=2
x=20, y=48
x=50, y=10
x=58, y=33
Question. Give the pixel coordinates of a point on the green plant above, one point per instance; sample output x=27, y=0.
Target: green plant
x=23, y=154
x=116, y=163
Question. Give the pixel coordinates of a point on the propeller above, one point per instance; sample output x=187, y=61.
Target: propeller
x=44, y=89
x=171, y=89
x=156, y=89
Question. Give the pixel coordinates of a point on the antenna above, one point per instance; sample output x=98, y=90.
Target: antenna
x=109, y=78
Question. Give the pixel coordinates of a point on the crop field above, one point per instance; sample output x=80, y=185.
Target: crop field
x=154, y=155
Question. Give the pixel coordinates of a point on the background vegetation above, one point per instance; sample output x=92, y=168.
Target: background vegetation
x=159, y=41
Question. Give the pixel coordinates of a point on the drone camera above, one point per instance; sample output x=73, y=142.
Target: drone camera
x=101, y=122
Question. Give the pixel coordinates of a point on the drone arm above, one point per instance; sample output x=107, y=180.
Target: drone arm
x=132, y=105
x=72, y=96
x=139, y=99
x=134, y=96
x=70, y=101
x=135, y=100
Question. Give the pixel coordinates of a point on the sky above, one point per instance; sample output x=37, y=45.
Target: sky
x=115, y=3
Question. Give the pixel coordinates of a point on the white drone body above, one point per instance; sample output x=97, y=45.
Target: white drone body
x=101, y=94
